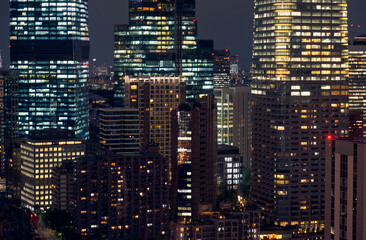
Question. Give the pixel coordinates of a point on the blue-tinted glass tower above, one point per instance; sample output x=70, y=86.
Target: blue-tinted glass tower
x=161, y=40
x=50, y=50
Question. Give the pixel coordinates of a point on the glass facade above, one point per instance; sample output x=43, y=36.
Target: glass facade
x=50, y=50
x=161, y=40
x=300, y=94
x=357, y=87
x=120, y=129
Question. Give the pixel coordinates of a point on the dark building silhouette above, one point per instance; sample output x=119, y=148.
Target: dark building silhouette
x=194, y=153
x=222, y=76
x=119, y=129
x=345, y=189
x=63, y=194
x=224, y=224
x=229, y=169
x=8, y=119
x=122, y=196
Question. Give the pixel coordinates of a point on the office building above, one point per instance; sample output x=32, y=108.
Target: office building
x=123, y=196
x=161, y=40
x=141, y=47
x=299, y=93
x=357, y=88
x=120, y=129
x=197, y=70
x=233, y=119
x=155, y=98
x=345, y=189
x=50, y=50
x=222, y=68
x=41, y=152
x=229, y=169
x=194, y=153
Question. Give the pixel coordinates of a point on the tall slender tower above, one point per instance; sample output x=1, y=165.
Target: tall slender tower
x=299, y=99
x=194, y=156
x=50, y=50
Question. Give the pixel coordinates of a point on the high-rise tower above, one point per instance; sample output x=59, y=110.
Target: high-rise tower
x=194, y=155
x=161, y=40
x=299, y=99
x=357, y=88
x=50, y=50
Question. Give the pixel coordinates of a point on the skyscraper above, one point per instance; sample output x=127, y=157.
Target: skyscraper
x=299, y=98
x=155, y=98
x=222, y=74
x=161, y=40
x=357, y=87
x=194, y=154
x=141, y=47
x=50, y=50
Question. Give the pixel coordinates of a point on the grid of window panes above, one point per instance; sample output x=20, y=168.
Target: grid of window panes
x=49, y=20
x=142, y=47
x=304, y=40
x=357, y=77
x=161, y=40
x=50, y=50
x=299, y=94
x=53, y=94
x=38, y=161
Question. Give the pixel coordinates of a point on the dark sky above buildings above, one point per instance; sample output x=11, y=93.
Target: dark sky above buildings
x=228, y=22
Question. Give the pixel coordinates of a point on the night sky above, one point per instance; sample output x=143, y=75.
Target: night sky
x=228, y=22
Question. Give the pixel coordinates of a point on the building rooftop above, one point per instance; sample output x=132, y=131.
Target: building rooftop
x=51, y=134
x=227, y=149
x=354, y=140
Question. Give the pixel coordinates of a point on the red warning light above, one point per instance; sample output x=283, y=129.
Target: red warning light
x=330, y=137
